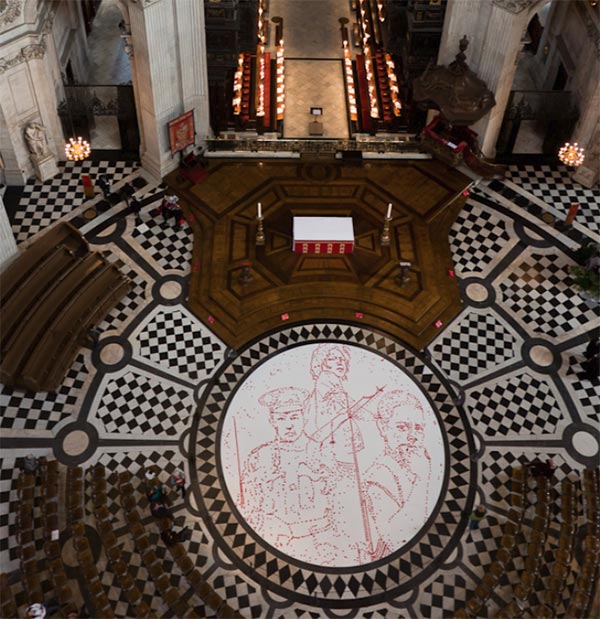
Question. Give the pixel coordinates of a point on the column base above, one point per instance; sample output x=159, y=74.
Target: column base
x=585, y=176
x=45, y=168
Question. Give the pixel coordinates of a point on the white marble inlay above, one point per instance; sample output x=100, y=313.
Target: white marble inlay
x=477, y=292
x=585, y=444
x=541, y=355
x=111, y=353
x=170, y=290
x=75, y=443
x=332, y=454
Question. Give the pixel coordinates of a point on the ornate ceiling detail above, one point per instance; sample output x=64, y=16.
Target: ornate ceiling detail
x=514, y=6
x=9, y=11
x=47, y=27
x=35, y=51
x=591, y=27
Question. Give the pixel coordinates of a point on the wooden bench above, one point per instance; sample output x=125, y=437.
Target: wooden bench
x=58, y=349
x=38, y=317
x=20, y=301
x=27, y=262
x=51, y=295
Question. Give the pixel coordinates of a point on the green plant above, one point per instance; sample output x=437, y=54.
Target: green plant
x=587, y=280
x=585, y=252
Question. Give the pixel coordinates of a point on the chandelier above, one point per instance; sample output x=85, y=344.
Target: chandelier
x=77, y=149
x=571, y=155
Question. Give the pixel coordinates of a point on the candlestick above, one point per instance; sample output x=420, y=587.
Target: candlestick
x=259, y=210
x=389, y=211
x=403, y=277
x=385, y=235
x=260, y=235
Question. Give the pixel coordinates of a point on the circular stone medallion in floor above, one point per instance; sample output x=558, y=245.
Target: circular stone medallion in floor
x=332, y=465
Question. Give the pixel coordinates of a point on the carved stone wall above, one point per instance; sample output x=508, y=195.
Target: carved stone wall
x=168, y=47
x=27, y=90
x=496, y=30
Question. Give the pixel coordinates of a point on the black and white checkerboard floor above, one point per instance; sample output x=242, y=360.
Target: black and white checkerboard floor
x=514, y=352
x=556, y=188
x=44, y=203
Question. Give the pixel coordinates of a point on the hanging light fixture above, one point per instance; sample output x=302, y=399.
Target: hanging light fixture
x=571, y=155
x=77, y=149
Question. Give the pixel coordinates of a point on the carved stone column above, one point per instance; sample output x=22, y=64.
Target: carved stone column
x=498, y=63
x=170, y=75
x=8, y=245
x=589, y=173
x=587, y=130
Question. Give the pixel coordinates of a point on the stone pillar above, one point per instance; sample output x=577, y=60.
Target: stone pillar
x=170, y=75
x=587, y=130
x=589, y=173
x=8, y=245
x=460, y=19
x=498, y=63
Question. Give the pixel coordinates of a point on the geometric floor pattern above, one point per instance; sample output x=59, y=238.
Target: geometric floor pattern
x=508, y=367
x=554, y=186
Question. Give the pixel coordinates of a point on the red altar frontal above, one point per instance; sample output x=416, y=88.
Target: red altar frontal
x=323, y=235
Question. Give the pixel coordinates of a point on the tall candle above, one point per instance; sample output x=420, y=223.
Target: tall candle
x=389, y=213
x=259, y=210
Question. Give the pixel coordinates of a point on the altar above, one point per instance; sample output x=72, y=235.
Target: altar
x=323, y=235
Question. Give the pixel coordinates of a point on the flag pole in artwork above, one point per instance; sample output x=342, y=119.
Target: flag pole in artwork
x=239, y=465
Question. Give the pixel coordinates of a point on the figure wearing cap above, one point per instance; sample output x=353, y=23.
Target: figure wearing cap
x=285, y=483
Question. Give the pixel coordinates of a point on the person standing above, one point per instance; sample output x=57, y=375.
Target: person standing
x=591, y=365
x=477, y=516
x=542, y=469
x=135, y=206
x=177, y=480
x=105, y=184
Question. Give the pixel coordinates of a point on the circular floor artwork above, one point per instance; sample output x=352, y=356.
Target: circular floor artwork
x=332, y=454
x=332, y=464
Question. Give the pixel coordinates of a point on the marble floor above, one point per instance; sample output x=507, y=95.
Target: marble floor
x=499, y=385
x=314, y=29
x=314, y=73
x=315, y=83
x=109, y=64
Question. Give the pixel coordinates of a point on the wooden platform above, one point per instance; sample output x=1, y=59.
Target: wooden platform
x=245, y=302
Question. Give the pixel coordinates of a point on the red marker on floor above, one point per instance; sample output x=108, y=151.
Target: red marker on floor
x=211, y=319
x=284, y=316
x=438, y=323
x=358, y=314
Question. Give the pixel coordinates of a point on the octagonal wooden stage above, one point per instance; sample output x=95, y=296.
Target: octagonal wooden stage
x=426, y=198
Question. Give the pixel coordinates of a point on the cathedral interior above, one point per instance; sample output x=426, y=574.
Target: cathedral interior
x=299, y=308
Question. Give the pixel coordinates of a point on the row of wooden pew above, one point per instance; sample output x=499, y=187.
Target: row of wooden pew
x=50, y=296
x=45, y=492
x=564, y=552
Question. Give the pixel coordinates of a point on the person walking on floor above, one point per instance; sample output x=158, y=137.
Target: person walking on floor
x=177, y=480
x=105, y=184
x=135, y=206
x=477, y=516
x=591, y=365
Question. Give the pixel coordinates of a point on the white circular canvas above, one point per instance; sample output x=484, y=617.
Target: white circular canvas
x=332, y=454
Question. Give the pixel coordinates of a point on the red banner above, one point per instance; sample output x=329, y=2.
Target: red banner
x=181, y=131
